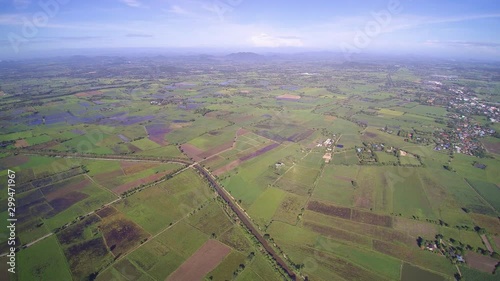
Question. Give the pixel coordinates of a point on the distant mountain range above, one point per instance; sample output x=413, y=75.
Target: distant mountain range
x=245, y=56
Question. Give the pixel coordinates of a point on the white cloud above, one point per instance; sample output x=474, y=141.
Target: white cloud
x=266, y=40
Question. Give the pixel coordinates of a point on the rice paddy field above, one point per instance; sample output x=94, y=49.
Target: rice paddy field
x=339, y=172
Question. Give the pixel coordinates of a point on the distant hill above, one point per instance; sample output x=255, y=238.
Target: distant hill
x=245, y=56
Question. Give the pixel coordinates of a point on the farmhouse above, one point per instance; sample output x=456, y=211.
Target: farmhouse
x=431, y=247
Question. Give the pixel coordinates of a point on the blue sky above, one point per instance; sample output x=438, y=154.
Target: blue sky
x=455, y=28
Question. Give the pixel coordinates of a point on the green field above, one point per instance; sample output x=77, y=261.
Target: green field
x=214, y=138
x=227, y=267
x=266, y=205
x=290, y=208
x=251, y=178
x=156, y=258
x=298, y=180
x=167, y=202
x=33, y=263
x=145, y=144
x=335, y=185
x=409, y=196
x=386, y=158
x=470, y=274
x=390, y=112
x=413, y=273
x=489, y=191
x=211, y=220
x=414, y=153
x=384, y=265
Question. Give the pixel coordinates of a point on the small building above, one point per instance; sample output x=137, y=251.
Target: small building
x=431, y=247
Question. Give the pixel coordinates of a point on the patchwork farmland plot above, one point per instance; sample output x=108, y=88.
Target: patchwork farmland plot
x=201, y=262
x=221, y=168
x=298, y=180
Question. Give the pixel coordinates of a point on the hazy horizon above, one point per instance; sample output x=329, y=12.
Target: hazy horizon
x=448, y=29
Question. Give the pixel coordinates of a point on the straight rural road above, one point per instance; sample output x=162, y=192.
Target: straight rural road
x=245, y=220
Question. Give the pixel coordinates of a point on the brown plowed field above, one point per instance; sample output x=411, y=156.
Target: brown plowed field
x=370, y=135
x=374, y=231
x=204, y=260
x=21, y=143
x=65, y=201
x=492, y=147
x=301, y=136
x=216, y=150
x=390, y=249
x=133, y=148
x=121, y=234
x=105, y=179
x=244, y=158
x=44, y=145
x=55, y=191
x=497, y=241
x=106, y=212
x=12, y=161
x=480, y=262
x=192, y=151
x=371, y=218
x=330, y=210
x=492, y=224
